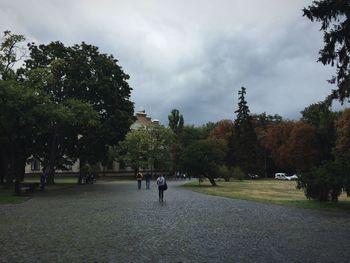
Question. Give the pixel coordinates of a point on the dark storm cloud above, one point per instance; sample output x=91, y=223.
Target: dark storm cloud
x=192, y=55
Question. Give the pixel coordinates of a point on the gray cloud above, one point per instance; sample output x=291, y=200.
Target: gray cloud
x=192, y=55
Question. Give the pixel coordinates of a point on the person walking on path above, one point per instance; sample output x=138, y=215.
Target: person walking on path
x=162, y=185
x=148, y=177
x=139, y=178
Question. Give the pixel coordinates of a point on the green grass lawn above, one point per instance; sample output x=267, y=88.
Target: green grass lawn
x=7, y=196
x=268, y=191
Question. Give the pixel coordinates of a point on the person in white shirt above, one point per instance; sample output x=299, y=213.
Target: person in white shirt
x=162, y=185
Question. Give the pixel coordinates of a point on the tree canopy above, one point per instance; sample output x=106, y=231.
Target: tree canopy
x=148, y=147
x=64, y=103
x=204, y=157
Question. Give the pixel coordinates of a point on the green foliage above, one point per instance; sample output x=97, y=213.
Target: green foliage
x=10, y=53
x=160, y=148
x=238, y=173
x=224, y=172
x=334, y=15
x=148, y=147
x=82, y=73
x=176, y=121
x=65, y=103
x=62, y=128
x=134, y=148
x=21, y=107
x=323, y=119
x=327, y=181
x=203, y=157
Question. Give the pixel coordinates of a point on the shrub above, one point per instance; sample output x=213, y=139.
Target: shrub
x=326, y=182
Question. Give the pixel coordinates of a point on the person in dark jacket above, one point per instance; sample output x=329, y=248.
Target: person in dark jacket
x=139, y=178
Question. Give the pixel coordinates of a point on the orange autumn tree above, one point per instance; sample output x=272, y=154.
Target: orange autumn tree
x=223, y=130
x=275, y=139
x=302, y=147
x=342, y=144
x=293, y=145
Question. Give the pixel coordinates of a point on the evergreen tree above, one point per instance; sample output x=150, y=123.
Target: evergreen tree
x=243, y=145
x=335, y=18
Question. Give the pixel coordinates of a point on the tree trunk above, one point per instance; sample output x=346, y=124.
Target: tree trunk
x=19, y=166
x=3, y=166
x=51, y=173
x=212, y=181
x=10, y=167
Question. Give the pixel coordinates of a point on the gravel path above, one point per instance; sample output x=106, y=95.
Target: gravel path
x=115, y=222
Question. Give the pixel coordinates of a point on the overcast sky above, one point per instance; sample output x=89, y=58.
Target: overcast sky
x=192, y=55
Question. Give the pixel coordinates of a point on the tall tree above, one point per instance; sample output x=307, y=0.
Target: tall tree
x=275, y=140
x=176, y=121
x=21, y=108
x=323, y=119
x=327, y=181
x=134, y=149
x=261, y=123
x=335, y=18
x=176, y=124
x=148, y=147
x=244, y=146
x=162, y=140
x=16, y=107
x=204, y=157
x=294, y=146
x=11, y=52
x=82, y=73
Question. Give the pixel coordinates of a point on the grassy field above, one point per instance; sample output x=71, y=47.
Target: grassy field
x=268, y=191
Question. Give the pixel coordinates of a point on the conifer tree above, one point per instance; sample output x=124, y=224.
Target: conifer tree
x=244, y=147
x=335, y=18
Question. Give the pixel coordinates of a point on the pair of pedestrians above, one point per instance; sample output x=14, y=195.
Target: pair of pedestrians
x=161, y=182
x=139, y=178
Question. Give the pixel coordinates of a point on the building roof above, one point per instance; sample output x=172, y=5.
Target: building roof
x=142, y=120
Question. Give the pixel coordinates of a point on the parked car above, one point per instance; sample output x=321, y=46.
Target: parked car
x=284, y=176
x=253, y=176
x=281, y=176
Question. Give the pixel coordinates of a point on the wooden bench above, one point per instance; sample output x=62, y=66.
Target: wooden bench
x=25, y=187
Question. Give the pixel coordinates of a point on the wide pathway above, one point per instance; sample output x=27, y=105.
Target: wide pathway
x=115, y=222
